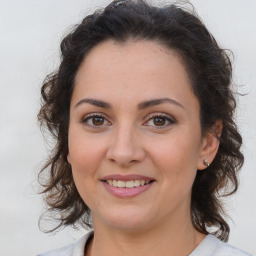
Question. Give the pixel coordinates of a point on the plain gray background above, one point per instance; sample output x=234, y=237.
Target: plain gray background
x=30, y=33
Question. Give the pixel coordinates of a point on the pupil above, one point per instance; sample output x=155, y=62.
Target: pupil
x=158, y=121
x=98, y=121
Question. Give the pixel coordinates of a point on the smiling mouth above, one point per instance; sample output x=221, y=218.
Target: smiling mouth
x=128, y=183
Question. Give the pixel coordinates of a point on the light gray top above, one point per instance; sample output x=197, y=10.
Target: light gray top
x=210, y=246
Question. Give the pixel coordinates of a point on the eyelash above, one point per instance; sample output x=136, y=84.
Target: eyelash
x=93, y=115
x=149, y=118
x=164, y=116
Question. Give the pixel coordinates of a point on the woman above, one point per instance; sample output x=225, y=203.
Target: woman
x=141, y=109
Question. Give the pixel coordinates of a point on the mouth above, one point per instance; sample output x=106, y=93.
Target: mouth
x=127, y=186
x=128, y=183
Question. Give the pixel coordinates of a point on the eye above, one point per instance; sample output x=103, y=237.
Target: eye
x=159, y=121
x=95, y=120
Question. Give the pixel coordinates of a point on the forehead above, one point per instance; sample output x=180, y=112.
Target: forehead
x=143, y=56
x=137, y=70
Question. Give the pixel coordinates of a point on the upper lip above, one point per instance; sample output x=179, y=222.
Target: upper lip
x=126, y=177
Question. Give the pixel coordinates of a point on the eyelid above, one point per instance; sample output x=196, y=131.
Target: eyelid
x=162, y=114
x=91, y=115
x=169, y=118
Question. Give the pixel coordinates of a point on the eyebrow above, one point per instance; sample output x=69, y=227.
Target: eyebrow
x=141, y=106
x=154, y=102
x=97, y=103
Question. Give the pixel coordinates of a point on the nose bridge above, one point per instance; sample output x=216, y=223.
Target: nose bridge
x=125, y=146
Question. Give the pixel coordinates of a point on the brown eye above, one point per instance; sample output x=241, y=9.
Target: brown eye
x=95, y=121
x=159, y=121
x=98, y=120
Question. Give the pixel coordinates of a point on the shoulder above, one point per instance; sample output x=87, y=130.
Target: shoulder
x=212, y=246
x=65, y=251
x=227, y=249
x=76, y=249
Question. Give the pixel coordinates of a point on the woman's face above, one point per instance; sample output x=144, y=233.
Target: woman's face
x=134, y=137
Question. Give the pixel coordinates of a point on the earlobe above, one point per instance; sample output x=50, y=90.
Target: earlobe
x=206, y=163
x=210, y=146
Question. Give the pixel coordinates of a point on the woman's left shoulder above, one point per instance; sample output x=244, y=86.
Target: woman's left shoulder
x=226, y=249
x=212, y=246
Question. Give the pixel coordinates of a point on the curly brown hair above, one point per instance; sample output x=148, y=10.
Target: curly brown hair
x=210, y=71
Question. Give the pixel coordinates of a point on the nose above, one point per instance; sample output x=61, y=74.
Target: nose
x=125, y=148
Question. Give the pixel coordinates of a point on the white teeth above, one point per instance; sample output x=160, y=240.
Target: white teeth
x=121, y=184
x=137, y=183
x=127, y=184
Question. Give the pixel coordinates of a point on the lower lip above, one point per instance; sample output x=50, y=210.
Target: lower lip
x=127, y=192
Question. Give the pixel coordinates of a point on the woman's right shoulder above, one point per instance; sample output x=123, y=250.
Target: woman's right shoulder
x=76, y=249
x=64, y=251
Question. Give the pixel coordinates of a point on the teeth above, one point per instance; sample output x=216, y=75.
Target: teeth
x=121, y=184
x=137, y=183
x=127, y=184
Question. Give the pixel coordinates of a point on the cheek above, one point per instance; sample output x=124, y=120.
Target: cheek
x=177, y=150
x=85, y=155
x=176, y=159
x=84, y=151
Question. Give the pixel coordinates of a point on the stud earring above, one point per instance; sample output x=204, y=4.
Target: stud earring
x=205, y=162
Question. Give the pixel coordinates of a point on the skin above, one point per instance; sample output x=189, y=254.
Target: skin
x=129, y=140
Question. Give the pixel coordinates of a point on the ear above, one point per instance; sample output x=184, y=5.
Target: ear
x=209, y=146
x=68, y=159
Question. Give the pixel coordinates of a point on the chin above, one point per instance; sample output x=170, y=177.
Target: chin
x=127, y=219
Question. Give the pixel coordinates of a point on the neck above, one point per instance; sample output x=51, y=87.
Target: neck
x=173, y=238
